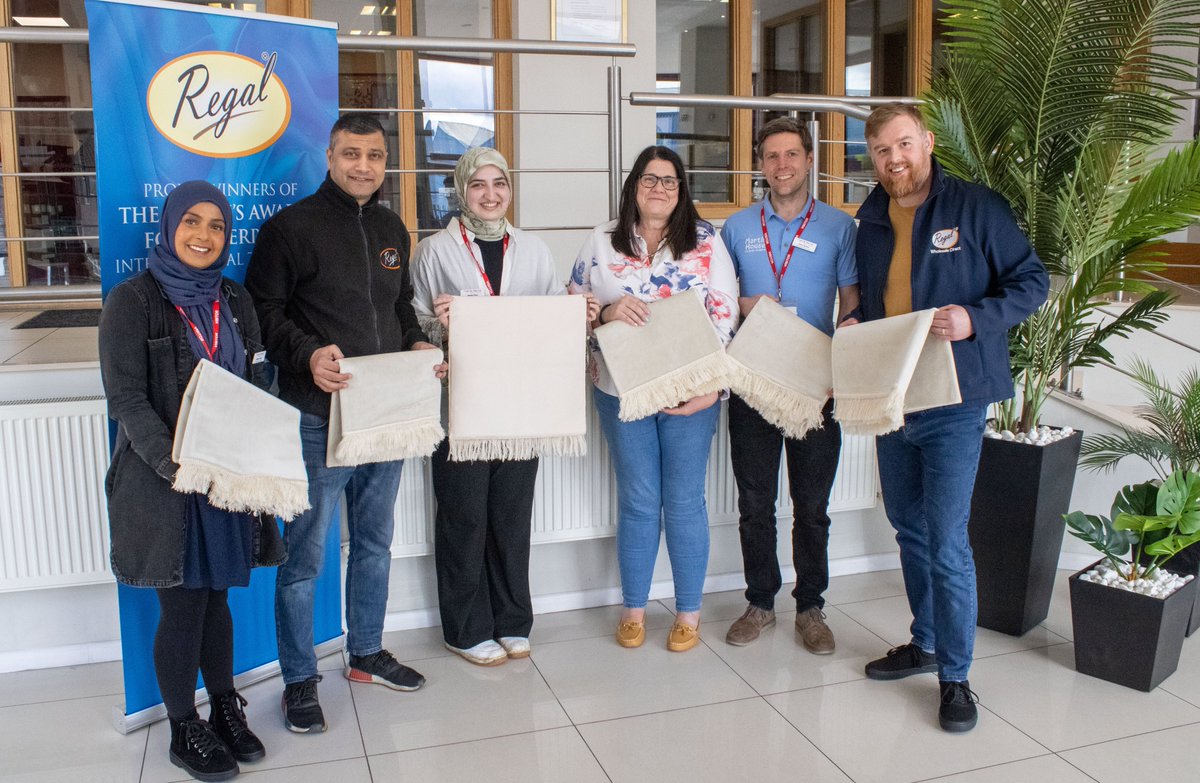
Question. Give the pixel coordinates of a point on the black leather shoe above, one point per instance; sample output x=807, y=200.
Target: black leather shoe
x=229, y=721
x=197, y=749
x=958, y=712
x=900, y=662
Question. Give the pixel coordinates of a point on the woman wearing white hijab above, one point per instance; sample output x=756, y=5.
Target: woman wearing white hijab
x=485, y=507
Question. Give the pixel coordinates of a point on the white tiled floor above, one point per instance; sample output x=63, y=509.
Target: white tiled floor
x=582, y=709
x=44, y=346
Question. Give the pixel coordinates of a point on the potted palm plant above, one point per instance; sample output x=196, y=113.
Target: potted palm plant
x=1062, y=106
x=1128, y=612
x=1168, y=440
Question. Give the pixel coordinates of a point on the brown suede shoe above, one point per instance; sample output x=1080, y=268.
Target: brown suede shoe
x=746, y=628
x=814, y=633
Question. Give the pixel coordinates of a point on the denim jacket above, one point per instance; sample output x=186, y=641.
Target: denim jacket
x=146, y=363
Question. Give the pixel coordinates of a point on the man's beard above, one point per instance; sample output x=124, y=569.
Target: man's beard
x=901, y=185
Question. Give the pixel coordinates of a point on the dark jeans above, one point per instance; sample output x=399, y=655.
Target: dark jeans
x=927, y=472
x=481, y=547
x=811, y=466
x=195, y=633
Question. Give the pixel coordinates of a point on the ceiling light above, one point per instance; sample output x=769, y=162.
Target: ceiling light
x=40, y=21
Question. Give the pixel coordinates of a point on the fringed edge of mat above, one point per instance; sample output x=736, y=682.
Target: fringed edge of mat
x=873, y=414
x=477, y=449
x=386, y=444
x=789, y=410
x=285, y=498
x=706, y=374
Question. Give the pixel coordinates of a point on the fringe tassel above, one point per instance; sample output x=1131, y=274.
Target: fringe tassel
x=478, y=449
x=392, y=442
x=285, y=498
x=876, y=414
x=787, y=409
x=706, y=374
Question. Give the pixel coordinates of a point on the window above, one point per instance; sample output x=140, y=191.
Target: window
x=766, y=47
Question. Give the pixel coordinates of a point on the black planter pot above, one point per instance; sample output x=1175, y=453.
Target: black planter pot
x=1127, y=638
x=1016, y=528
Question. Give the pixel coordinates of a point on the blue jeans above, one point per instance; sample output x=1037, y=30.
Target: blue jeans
x=660, y=462
x=370, y=505
x=927, y=469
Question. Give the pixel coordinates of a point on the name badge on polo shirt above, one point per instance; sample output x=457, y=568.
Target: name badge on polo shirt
x=804, y=244
x=473, y=292
x=790, y=307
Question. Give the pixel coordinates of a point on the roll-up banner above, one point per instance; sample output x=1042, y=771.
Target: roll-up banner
x=245, y=101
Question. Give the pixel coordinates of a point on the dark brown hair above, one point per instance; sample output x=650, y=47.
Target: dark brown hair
x=681, y=228
x=784, y=125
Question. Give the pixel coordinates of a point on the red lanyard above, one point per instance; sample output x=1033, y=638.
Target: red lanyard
x=479, y=265
x=216, y=315
x=787, y=259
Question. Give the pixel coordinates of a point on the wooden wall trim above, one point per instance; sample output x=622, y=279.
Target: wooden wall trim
x=9, y=154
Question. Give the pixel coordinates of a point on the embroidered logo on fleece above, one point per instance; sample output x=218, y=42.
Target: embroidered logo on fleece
x=945, y=241
x=389, y=258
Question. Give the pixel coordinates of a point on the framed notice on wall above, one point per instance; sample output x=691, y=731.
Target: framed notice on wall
x=588, y=20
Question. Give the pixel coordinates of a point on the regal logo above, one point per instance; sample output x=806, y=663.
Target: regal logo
x=219, y=104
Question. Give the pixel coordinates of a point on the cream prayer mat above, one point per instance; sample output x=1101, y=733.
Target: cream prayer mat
x=676, y=356
x=518, y=380
x=883, y=369
x=390, y=410
x=239, y=445
x=781, y=366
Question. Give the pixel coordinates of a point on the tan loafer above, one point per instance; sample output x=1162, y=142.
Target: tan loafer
x=682, y=637
x=631, y=633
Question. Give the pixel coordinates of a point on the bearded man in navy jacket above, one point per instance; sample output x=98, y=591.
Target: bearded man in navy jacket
x=926, y=239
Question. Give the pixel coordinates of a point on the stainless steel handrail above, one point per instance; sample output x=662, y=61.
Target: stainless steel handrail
x=767, y=103
x=76, y=35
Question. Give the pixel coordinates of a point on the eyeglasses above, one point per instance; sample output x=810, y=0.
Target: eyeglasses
x=648, y=181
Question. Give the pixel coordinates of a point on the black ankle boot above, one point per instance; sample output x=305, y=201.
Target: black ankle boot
x=196, y=748
x=229, y=722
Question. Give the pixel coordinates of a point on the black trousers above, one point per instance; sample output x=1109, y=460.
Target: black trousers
x=195, y=633
x=811, y=466
x=481, y=547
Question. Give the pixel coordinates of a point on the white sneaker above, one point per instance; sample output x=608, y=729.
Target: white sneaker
x=483, y=654
x=515, y=646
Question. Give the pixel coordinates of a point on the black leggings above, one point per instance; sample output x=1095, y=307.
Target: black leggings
x=195, y=633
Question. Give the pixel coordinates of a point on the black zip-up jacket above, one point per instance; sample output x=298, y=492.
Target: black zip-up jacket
x=327, y=271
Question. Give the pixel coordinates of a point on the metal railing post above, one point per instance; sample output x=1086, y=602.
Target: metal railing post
x=614, y=140
x=814, y=177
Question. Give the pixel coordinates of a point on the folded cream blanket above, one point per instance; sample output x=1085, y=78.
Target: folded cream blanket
x=518, y=378
x=883, y=369
x=390, y=410
x=239, y=445
x=677, y=355
x=781, y=366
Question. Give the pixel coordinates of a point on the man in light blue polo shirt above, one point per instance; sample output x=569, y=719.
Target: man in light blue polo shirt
x=799, y=252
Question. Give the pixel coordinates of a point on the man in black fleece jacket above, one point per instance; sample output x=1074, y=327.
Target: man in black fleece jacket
x=330, y=278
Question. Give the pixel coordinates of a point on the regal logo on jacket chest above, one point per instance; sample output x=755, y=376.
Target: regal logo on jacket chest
x=945, y=241
x=389, y=258
x=219, y=104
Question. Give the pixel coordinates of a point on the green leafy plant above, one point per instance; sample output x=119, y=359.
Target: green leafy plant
x=1171, y=435
x=1063, y=106
x=1148, y=525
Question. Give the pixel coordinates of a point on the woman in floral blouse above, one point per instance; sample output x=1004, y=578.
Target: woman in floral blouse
x=658, y=247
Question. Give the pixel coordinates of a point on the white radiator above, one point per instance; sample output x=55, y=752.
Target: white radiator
x=54, y=526
x=577, y=498
x=53, y=521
